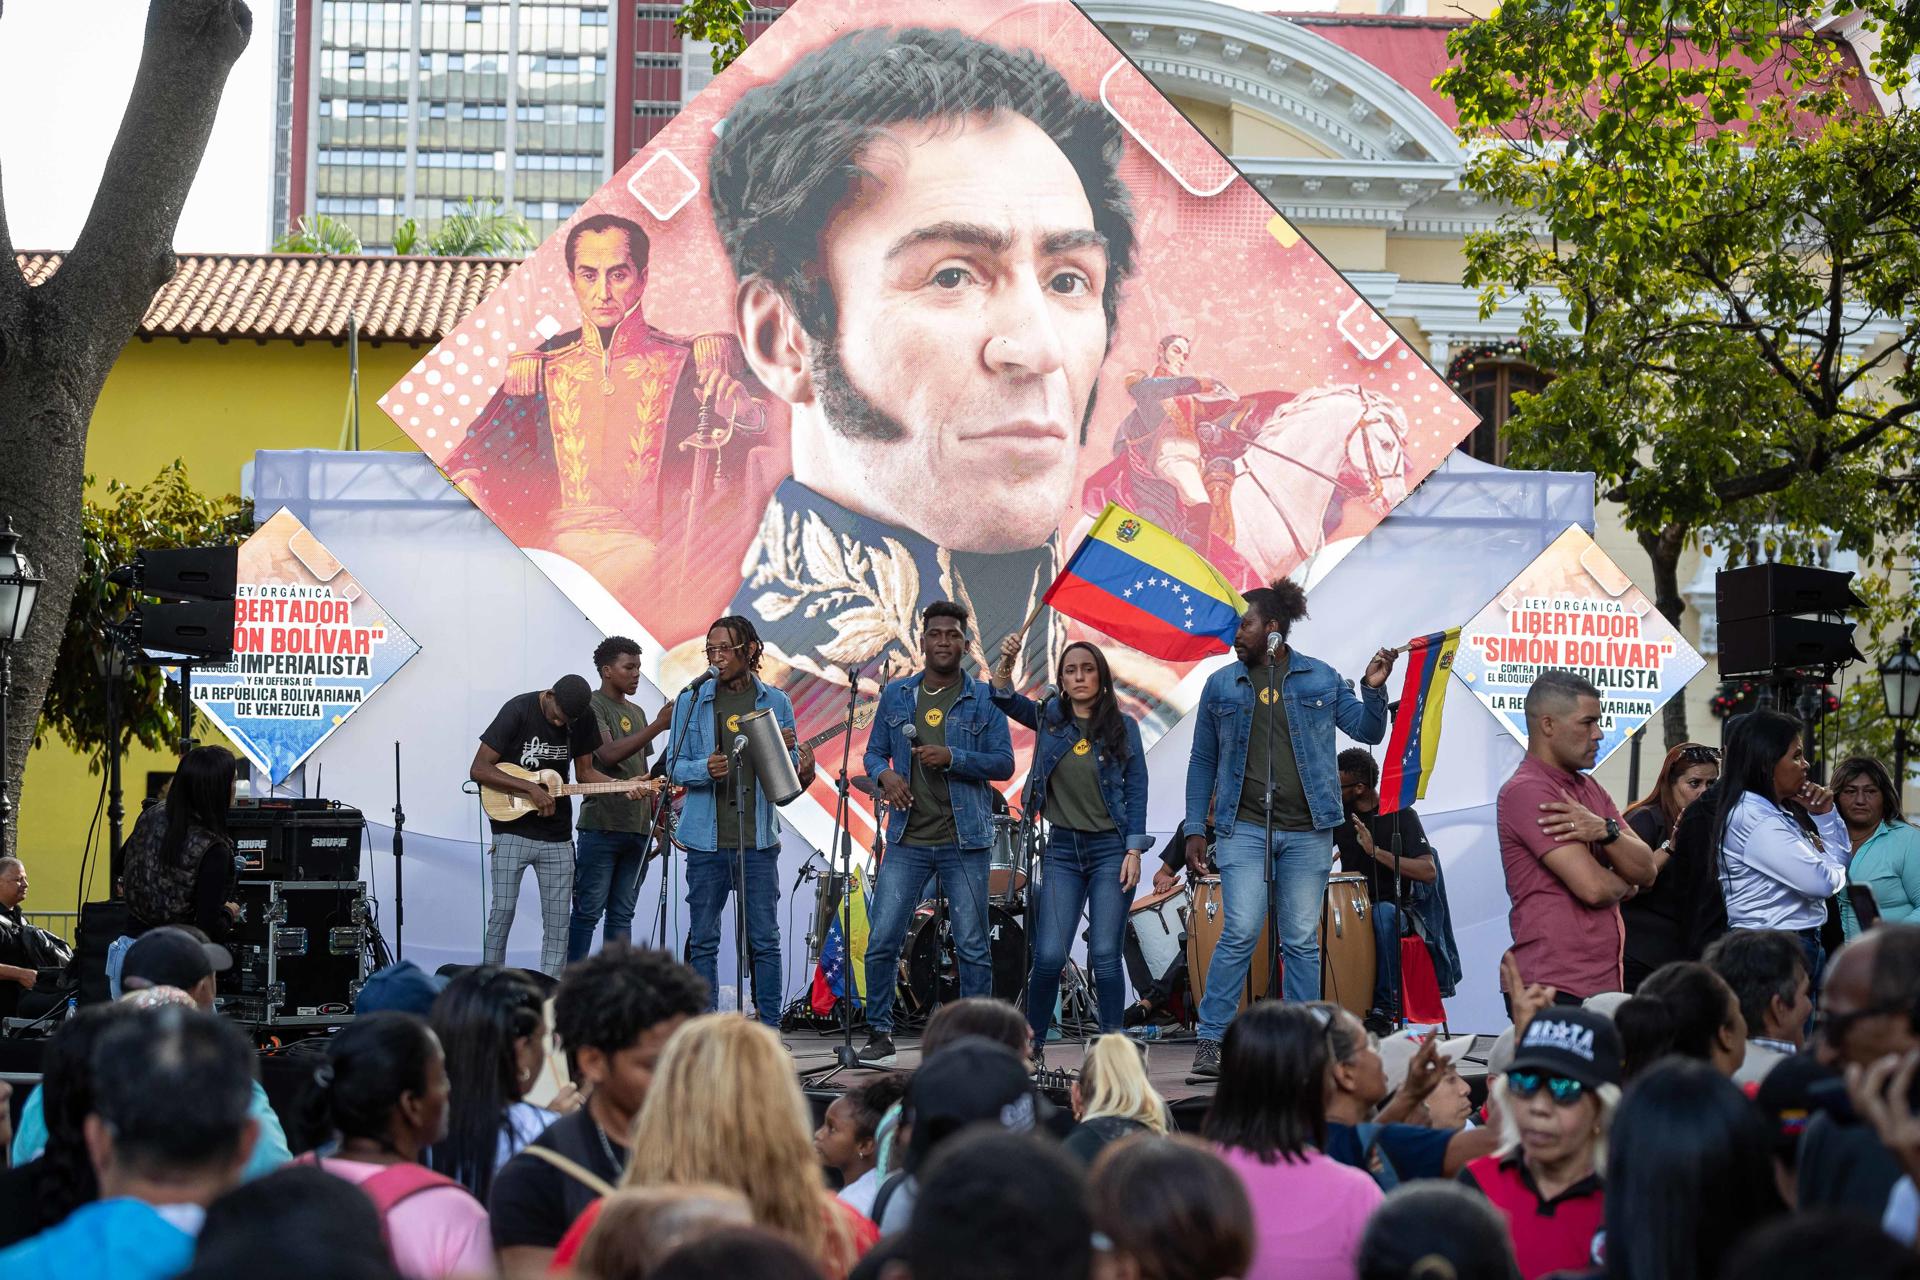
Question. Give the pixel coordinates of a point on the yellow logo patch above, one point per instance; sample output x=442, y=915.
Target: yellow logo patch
x=1268, y=697
x=1082, y=747
x=733, y=724
x=626, y=725
x=934, y=717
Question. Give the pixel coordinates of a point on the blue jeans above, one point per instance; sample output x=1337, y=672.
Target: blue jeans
x=1302, y=862
x=896, y=892
x=1386, y=951
x=1080, y=869
x=606, y=878
x=710, y=879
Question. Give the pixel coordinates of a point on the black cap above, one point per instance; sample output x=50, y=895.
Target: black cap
x=171, y=957
x=1575, y=1043
x=970, y=1081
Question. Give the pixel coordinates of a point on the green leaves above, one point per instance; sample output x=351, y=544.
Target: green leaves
x=720, y=22
x=479, y=231
x=319, y=233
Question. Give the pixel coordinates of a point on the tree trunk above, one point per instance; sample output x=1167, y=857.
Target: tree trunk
x=59, y=341
x=1663, y=549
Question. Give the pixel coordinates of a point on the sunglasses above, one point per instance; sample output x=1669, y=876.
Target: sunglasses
x=1525, y=1084
x=1700, y=755
x=1833, y=1027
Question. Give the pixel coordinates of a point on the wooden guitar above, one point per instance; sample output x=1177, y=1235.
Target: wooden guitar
x=510, y=806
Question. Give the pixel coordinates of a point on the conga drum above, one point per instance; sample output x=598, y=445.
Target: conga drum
x=1206, y=920
x=1347, y=962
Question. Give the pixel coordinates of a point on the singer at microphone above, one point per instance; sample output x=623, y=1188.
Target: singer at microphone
x=1089, y=778
x=1273, y=695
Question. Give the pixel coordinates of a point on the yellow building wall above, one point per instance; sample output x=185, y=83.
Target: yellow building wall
x=212, y=405
x=1215, y=119
x=1258, y=135
x=1429, y=261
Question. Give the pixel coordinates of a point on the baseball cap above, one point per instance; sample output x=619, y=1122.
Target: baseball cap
x=170, y=956
x=972, y=1080
x=404, y=986
x=1576, y=1043
x=1397, y=1052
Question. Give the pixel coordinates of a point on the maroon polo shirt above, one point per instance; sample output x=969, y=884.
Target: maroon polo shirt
x=1557, y=939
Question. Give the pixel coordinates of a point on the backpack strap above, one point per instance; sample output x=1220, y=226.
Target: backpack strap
x=398, y=1182
x=885, y=1194
x=573, y=1169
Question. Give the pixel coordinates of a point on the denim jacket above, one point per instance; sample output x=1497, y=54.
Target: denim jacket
x=692, y=743
x=1123, y=786
x=1317, y=701
x=976, y=735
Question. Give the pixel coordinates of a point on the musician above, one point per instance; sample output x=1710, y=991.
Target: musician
x=1089, y=765
x=727, y=818
x=937, y=746
x=611, y=851
x=1231, y=763
x=18, y=972
x=1367, y=842
x=547, y=729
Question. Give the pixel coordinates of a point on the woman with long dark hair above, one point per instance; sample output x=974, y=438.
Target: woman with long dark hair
x=1089, y=765
x=1689, y=1172
x=1886, y=847
x=492, y=1025
x=41, y=1192
x=383, y=1091
x=1170, y=1209
x=1663, y=921
x=1269, y=1120
x=179, y=859
x=1782, y=848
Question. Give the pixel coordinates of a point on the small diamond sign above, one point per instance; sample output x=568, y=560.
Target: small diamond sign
x=309, y=646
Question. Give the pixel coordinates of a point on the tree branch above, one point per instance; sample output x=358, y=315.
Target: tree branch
x=190, y=47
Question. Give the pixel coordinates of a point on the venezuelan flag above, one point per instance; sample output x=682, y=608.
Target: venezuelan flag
x=836, y=958
x=1414, y=742
x=1146, y=588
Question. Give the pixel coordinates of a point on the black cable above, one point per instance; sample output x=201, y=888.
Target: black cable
x=88, y=862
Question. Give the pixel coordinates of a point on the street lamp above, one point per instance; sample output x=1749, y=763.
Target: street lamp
x=1900, y=687
x=19, y=589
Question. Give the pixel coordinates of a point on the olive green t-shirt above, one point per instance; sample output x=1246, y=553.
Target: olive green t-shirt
x=1290, y=812
x=728, y=710
x=930, y=820
x=617, y=813
x=1073, y=789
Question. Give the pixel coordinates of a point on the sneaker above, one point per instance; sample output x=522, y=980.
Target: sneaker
x=1379, y=1022
x=878, y=1051
x=1206, y=1061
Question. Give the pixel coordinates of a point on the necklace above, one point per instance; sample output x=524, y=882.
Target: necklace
x=606, y=1146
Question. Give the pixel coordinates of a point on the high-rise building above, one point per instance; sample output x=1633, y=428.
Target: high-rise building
x=392, y=109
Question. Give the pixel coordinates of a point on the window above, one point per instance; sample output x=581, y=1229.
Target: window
x=593, y=17
x=436, y=111
x=456, y=62
x=473, y=13
x=356, y=61
x=483, y=111
x=1488, y=383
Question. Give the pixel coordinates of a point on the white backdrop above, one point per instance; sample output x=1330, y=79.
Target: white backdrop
x=490, y=624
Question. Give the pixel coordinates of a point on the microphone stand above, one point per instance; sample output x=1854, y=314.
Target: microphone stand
x=743, y=953
x=1274, y=985
x=399, y=864
x=843, y=1053
x=1030, y=843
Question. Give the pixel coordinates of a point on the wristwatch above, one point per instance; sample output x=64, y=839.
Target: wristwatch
x=1613, y=831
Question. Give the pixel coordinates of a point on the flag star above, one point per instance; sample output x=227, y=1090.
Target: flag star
x=1128, y=593
x=1138, y=586
x=1187, y=623
x=1189, y=611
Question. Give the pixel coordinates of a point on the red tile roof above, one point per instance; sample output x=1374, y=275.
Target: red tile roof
x=1413, y=51
x=307, y=296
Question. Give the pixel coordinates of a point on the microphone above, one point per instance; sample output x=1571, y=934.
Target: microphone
x=911, y=731
x=1273, y=643
x=739, y=743
x=693, y=685
x=807, y=872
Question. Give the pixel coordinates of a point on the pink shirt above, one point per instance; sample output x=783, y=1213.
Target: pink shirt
x=1557, y=939
x=436, y=1234
x=1307, y=1214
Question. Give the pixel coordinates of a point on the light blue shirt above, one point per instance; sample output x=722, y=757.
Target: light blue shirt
x=1888, y=863
x=269, y=1149
x=117, y=1239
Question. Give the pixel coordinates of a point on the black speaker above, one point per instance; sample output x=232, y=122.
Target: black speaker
x=201, y=629
x=1764, y=590
x=189, y=573
x=1759, y=646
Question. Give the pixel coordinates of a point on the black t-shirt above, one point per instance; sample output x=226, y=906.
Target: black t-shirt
x=533, y=1203
x=19, y=1212
x=1357, y=861
x=523, y=735
x=1683, y=911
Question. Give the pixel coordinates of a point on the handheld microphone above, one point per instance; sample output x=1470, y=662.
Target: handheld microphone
x=911, y=731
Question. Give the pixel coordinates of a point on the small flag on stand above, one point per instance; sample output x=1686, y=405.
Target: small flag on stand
x=1414, y=742
x=1146, y=588
x=836, y=957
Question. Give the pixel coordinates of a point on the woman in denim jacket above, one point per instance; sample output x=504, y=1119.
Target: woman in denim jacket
x=1090, y=767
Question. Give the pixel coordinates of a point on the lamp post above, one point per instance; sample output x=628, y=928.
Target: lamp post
x=1900, y=688
x=19, y=589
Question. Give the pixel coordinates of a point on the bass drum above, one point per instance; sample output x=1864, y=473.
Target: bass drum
x=1347, y=962
x=1206, y=920
x=1006, y=940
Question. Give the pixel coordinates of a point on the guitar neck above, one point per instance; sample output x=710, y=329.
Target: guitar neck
x=590, y=788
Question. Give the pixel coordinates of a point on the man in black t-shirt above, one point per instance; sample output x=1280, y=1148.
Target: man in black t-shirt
x=1367, y=841
x=613, y=1014
x=550, y=729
